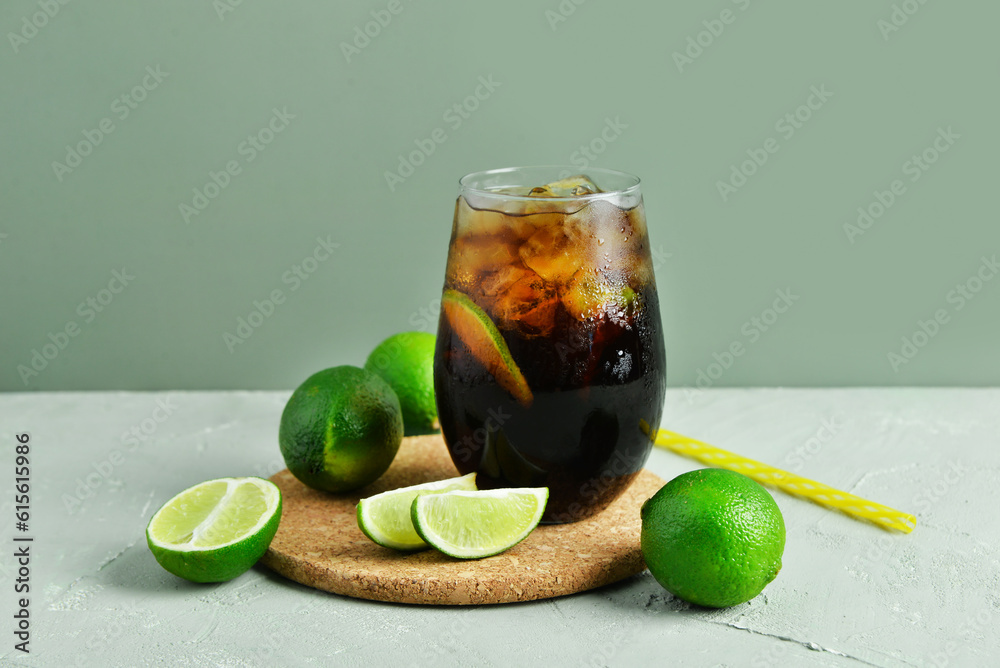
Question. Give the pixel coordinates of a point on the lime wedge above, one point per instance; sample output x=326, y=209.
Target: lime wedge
x=472, y=525
x=385, y=517
x=216, y=530
x=481, y=336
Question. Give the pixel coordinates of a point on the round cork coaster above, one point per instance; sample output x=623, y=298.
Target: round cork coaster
x=320, y=545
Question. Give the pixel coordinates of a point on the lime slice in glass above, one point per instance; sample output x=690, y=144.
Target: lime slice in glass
x=472, y=525
x=216, y=530
x=385, y=517
x=478, y=332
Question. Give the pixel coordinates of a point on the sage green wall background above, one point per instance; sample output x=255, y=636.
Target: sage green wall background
x=553, y=86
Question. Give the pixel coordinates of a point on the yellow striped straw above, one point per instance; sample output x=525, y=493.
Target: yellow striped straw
x=787, y=482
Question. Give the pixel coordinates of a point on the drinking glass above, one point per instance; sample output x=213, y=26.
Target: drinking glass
x=549, y=367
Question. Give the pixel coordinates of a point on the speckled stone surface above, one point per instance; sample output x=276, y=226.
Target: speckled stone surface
x=320, y=545
x=849, y=594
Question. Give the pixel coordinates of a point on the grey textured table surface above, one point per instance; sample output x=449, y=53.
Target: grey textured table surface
x=849, y=593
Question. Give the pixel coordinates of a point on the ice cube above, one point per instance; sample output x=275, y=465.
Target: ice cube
x=533, y=222
x=540, y=319
x=508, y=219
x=479, y=221
x=555, y=251
x=502, y=279
x=610, y=231
x=573, y=186
x=475, y=255
x=595, y=294
x=527, y=304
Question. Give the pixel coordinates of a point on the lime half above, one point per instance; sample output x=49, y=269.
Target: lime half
x=472, y=525
x=216, y=530
x=385, y=517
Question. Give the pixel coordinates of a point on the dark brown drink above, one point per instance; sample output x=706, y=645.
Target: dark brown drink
x=550, y=367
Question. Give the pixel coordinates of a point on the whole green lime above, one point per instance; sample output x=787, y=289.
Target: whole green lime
x=340, y=429
x=712, y=537
x=406, y=362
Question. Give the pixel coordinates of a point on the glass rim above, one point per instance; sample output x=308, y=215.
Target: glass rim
x=464, y=183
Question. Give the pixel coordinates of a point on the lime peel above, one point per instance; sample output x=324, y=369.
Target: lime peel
x=473, y=525
x=406, y=362
x=385, y=518
x=712, y=537
x=474, y=327
x=246, y=516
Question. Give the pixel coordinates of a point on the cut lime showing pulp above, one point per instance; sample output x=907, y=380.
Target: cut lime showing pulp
x=481, y=336
x=472, y=525
x=216, y=530
x=385, y=517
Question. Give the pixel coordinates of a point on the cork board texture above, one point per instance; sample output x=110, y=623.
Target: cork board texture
x=320, y=545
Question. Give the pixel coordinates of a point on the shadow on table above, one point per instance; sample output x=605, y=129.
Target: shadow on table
x=629, y=589
x=134, y=569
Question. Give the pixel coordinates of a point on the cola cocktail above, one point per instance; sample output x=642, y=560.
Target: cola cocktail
x=549, y=369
